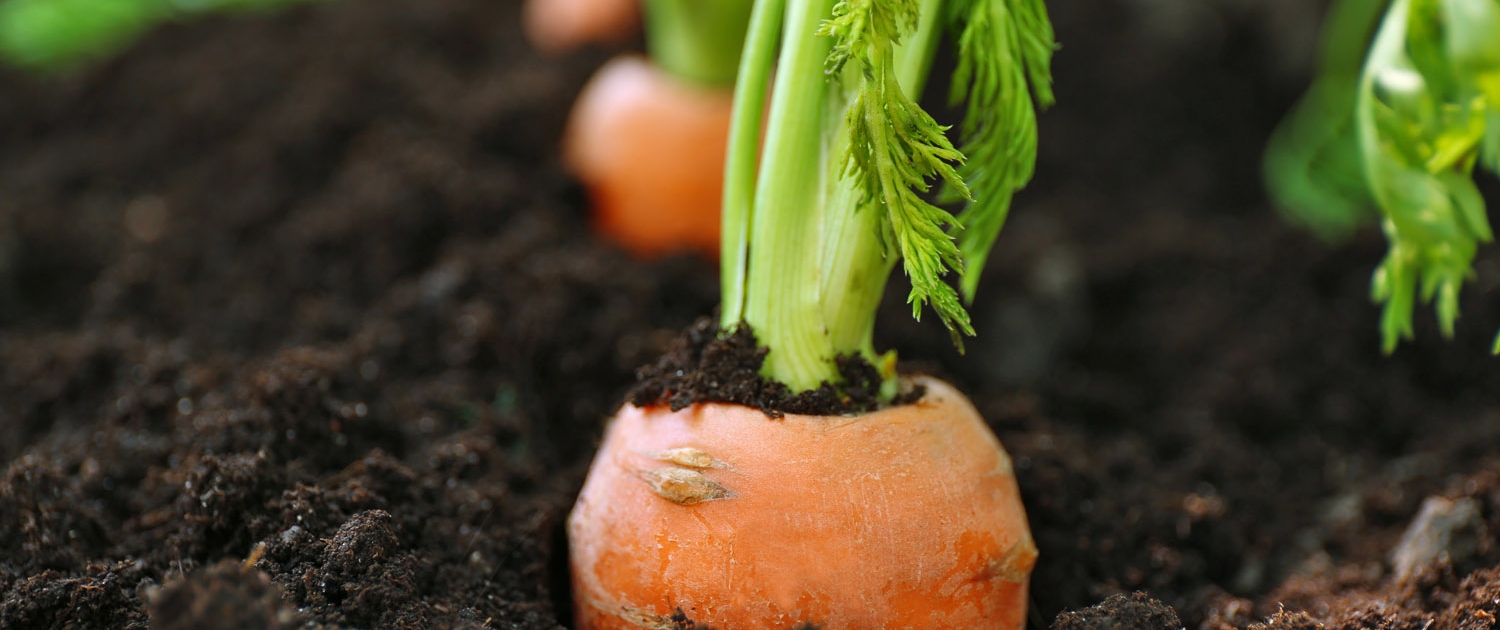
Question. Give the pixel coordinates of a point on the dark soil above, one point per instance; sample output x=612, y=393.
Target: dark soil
x=708, y=364
x=309, y=292
x=1135, y=611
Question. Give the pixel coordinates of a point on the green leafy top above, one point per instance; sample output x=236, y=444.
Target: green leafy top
x=1004, y=64
x=814, y=225
x=60, y=34
x=896, y=147
x=1313, y=166
x=696, y=41
x=1428, y=111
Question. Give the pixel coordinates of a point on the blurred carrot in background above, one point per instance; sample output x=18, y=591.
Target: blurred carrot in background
x=647, y=137
x=558, y=26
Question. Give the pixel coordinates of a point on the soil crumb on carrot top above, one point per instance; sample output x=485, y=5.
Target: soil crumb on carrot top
x=707, y=364
x=681, y=621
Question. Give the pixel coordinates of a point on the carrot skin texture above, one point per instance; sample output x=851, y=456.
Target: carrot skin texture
x=650, y=149
x=904, y=518
x=559, y=26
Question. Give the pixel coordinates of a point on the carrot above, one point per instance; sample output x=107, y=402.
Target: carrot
x=647, y=138
x=905, y=517
x=650, y=150
x=558, y=26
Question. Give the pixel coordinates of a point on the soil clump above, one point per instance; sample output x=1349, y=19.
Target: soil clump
x=708, y=364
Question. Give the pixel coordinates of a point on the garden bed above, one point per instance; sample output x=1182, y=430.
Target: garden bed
x=309, y=293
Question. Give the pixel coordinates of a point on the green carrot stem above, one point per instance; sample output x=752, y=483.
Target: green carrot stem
x=697, y=40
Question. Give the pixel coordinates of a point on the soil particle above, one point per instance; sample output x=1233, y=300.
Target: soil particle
x=365, y=573
x=46, y=521
x=1135, y=611
x=1476, y=604
x=362, y=544
x=227, y=596
x=1444, y=531
x=708, y=364
x=1438, y=591
x=1284, y=620
x=681, y=621
x=1223, y=611
x=224, y=501
x=95, y=598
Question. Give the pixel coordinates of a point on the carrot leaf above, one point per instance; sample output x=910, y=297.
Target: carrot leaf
x=819, y=212
x=1427, y=109
x=1312, y=166
x=1004, y=74
x=895, y=148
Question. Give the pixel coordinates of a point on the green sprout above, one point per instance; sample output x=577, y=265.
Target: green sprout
x=1313, y=168
x=53, y=34
x=697, y=40
x=815, y=222
x=1428, y=110
x=1424, y=111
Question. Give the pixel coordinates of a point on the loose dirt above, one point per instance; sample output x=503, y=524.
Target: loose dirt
x=301, y=324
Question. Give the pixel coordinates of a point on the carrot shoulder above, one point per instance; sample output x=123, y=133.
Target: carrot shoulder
x=907, y=517
x=650, y=149
x=557, y=26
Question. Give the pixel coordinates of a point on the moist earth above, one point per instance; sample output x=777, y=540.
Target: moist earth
x=302, y=325
x=708, y=363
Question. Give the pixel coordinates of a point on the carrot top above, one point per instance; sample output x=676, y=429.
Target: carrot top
x=695, y=40
x=1399, y=129
x=1428, y=110
x=815, y=222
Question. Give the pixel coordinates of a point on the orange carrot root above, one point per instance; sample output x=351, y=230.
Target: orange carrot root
x=904, y=518
x=650, y=148
x=558, y=26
